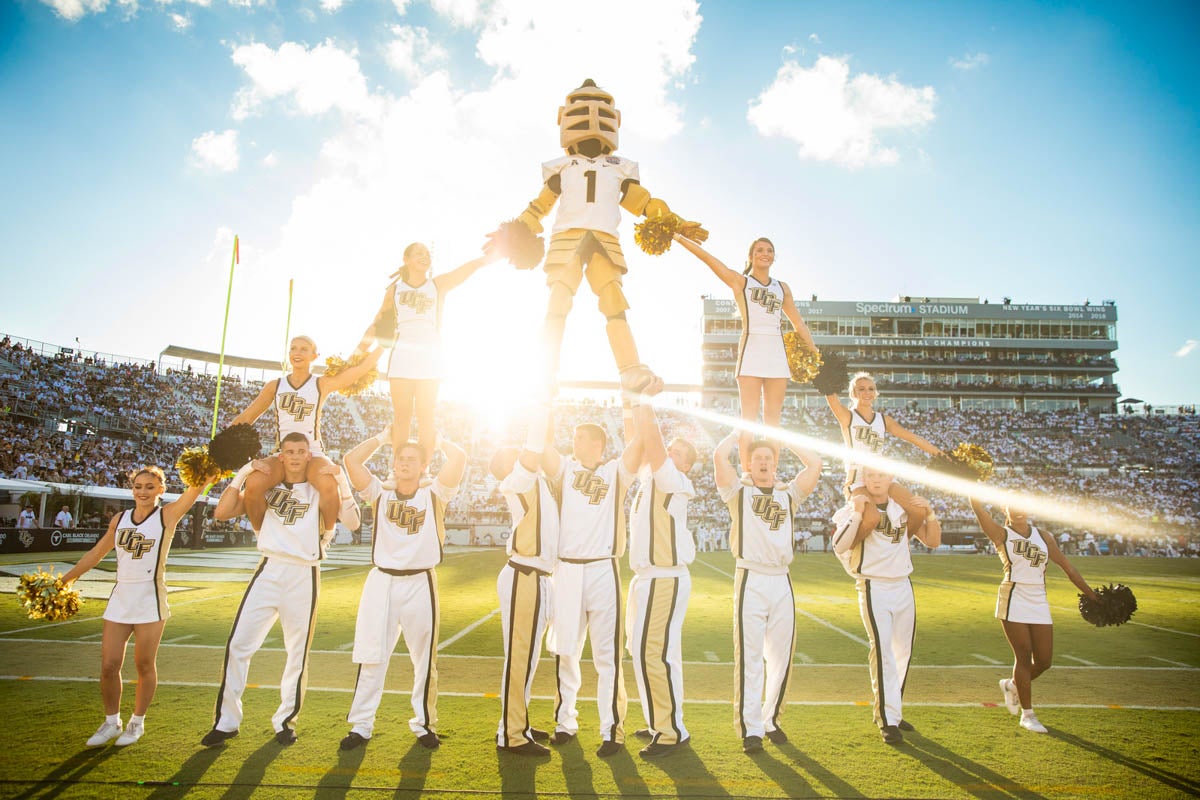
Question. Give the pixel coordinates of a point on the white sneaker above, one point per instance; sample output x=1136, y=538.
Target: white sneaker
x=1012, y=700
x=1029, y=722
x=105, y=734
x=133, y=732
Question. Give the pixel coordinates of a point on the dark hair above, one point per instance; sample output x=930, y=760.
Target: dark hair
x=757, y=443
x=295, y=436
x=595, y=431
x=148, y=470
x=412, y=444
x=750, y=253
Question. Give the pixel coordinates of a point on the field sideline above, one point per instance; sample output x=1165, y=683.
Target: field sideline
x=1122, y=704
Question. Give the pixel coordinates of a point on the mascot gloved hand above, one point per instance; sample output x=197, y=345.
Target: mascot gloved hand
x=591, y=184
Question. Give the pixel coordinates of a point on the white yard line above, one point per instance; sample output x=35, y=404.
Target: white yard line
x=1169, y=661
x=442, y=645
x=179, y=639
x=716, y=702
x=1079, y=660
x=987, y=659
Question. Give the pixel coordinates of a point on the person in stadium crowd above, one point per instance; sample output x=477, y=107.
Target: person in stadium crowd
x=286, y=585
x=1021, y=604
x=411, y=316
x=587, y=578
x=660, y=549
x=871, y=539
x=298, y=399
x=863, y=429
x=523, y=585
x=27, y=519
x=138, y=604
x=63, y=518
x=762, y=367
x=400, y=593
x=764, y=618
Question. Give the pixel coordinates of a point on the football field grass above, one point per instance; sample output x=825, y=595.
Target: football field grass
x=1122, y=704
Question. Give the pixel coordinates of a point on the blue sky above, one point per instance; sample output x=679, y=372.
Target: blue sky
x=1045, y=152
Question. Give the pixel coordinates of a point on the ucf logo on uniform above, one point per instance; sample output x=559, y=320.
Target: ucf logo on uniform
x=766, y=509
x=132, y=542
x=295, y=405
x=1033, y=554
x=286, y=507
x=766, y=298
x=591, y=485
x=402, y=515
x=417, y=301
x=895, y=533
x=868, y=437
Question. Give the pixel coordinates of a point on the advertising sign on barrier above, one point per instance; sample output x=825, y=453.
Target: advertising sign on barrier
x=48, y=540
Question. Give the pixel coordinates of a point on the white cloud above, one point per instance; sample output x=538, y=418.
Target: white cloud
x=181, y=22
x=835, y=117
x=332, y=6
x=970, y=61
x=789, y=49
x=216, y=151
x=73, y=10
x=401, y=6
x=317, y=80
x=812, y=37
x=463, y=13
x=270, y=160
x=1188, y=347
x=411, y=51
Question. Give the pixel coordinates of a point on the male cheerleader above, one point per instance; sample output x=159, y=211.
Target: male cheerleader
x=764, y=621
x=587, y=581
x=285, y=587
x=400, y=593
x=523, y=585
x=660, y=549
x=871, y=537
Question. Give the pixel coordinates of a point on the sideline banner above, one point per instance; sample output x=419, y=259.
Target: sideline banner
x=48, y=540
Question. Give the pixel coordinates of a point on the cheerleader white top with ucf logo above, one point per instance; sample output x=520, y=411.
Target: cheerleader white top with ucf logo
x=410, y=530
x=142, y=548
x=291, y=529
x=760, y=532
x=534, y=509
x=761, y=306
x=884, y=554
x=589, y=191
x=1024, y=558
x=864, y=437
x=418, y=311
x=298, y=409
x=658, y=531
x=593, y=509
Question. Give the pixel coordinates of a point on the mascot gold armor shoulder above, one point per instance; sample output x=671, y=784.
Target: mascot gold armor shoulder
x=591, y=184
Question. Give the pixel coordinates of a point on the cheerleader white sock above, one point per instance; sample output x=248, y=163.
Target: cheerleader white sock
x=115, y=719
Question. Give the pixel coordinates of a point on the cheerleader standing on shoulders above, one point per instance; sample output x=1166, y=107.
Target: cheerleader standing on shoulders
x=138, y=604
x=413, y=303
x=762, y=367
x=1021, y=604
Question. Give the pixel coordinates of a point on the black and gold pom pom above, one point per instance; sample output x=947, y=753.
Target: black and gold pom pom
x=803, y=362
x=335, y=365
x=43, y=596
x=516, y=242
x=967, y=461
x=833, y=375
x=655, y=234
x=1115, y=606
x=197, y=468
x=234, y=446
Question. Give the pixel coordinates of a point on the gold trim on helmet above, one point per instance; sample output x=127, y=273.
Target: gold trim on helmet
x=588, y=114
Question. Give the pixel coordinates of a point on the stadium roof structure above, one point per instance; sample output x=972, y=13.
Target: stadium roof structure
x=191, y=354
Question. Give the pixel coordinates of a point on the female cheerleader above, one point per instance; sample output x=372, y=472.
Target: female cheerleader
x=762, y=367
x=1021, y=605
x=298, y=398
x=414, y=368
x=138, y=603
x=863, y=429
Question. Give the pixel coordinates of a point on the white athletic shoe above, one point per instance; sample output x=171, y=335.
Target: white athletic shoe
x=105, y=734
x=1029, y=722
x=133, y=732
x=1011, y=700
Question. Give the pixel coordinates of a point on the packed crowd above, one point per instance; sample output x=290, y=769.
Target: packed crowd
x=72, y=420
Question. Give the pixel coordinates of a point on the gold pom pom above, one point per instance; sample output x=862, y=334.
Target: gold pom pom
x=975, y=457
x=654, y=234
x=804, y=363
x=196, y=467
x=335, y=365
x=43, y=596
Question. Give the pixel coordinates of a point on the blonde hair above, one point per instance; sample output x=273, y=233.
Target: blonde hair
x=855, y=378
x=148, y=470
x=309, y=339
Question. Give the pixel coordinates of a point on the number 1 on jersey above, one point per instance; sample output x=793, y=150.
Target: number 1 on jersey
x=591, y=187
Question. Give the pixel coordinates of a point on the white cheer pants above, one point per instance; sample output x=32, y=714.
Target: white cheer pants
x=279, y=590
x=657, y=607
x=408, y=604
x=764, y=630
x=524, y=612
x=889, y=613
